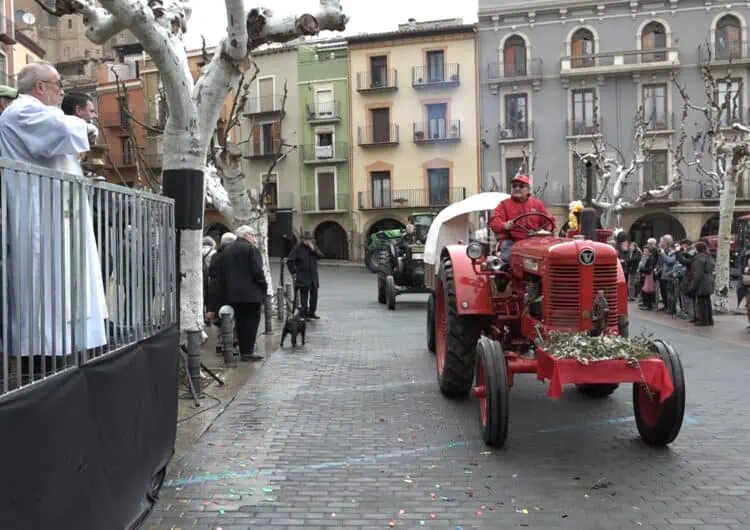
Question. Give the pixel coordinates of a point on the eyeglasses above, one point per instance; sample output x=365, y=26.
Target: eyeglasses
x=58, y=83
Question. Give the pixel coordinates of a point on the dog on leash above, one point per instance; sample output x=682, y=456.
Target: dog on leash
x=294, y=325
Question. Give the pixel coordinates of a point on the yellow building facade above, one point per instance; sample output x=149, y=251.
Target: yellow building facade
x=415, y=138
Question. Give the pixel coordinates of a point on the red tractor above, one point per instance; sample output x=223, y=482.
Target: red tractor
x=483, y=321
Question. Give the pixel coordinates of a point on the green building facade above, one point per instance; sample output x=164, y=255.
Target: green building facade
x=324, y=147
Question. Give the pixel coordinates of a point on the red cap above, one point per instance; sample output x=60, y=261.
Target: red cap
x=522, y=178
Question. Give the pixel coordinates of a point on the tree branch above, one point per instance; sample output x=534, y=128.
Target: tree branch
x=263, y=27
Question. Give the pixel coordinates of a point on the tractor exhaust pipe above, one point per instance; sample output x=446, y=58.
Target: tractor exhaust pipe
x=587, y=219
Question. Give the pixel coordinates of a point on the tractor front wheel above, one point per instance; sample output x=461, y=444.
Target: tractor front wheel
x=456, y=337
x=659, y=423
x=381, y=289
x=375, y=258
x=431, y=323
x=390, y=292
x=492, y=390
x=597, y=391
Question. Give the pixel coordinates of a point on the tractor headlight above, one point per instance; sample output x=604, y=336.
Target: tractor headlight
x=474, y=250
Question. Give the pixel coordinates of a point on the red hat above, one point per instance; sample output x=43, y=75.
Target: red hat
x=522, y=178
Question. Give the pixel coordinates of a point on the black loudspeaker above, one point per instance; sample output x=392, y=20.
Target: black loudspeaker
x=185, y=186
x=284, y=218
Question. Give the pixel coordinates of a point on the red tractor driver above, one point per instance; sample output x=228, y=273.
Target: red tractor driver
x=516, y=217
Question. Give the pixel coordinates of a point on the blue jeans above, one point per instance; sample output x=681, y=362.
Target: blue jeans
x=505, y=247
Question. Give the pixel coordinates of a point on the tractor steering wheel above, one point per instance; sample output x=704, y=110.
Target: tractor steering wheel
x=550, y=222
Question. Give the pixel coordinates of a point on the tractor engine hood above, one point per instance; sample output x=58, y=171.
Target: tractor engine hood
x=534, y=255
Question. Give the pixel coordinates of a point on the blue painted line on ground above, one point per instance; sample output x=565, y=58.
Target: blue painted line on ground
x=253, y=473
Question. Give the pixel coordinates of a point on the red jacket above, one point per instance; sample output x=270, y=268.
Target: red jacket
x=511, y=208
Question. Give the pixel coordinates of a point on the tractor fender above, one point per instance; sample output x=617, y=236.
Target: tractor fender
x=473, y=292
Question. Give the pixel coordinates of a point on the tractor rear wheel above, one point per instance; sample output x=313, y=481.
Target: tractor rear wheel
x=390, y=292
x=597, y=391
x=381, y=289
x=492, y=390
x=456, y=338
x=659, y=423
x=431, y=323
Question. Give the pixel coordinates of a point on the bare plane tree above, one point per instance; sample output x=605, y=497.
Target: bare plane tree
x=727, y=143
x=195, y=108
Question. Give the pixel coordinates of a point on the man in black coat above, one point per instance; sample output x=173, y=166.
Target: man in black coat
x=242, y=285
x=303, y=264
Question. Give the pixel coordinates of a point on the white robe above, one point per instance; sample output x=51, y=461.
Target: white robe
x=40, y=244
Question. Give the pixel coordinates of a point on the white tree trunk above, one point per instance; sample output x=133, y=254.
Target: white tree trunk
x=726, y=216
x=260, y=225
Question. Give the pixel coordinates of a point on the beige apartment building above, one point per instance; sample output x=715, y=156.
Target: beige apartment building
x=413, y=98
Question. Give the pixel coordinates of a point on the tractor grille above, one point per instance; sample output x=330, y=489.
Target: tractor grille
x=605, y=278
x=564, y=296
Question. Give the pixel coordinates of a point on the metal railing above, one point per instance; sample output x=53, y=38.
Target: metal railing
x=87, y=267
x=263, y=150
x=325, y=202
x=385, y=79
x=265, y=104
x=534, y=68
x=329, y=110
x=515, y=130
x=426, y=76
x=321, y=153
x=581, y=127
x=621, y=58
x=415, y=198
x=731, y=51
x=438, y=130
x=660, y=121
x=377, y=135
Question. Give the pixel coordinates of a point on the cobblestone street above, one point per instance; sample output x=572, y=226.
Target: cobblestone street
x=351, y=431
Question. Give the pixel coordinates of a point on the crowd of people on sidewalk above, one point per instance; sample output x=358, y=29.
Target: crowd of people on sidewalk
x=676, y=278
x=233, y=276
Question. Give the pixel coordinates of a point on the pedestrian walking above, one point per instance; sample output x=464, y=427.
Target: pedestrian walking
x=634, y=259
x=649, y=285
x=702, y=285
x=303, y=265
x=242, y=284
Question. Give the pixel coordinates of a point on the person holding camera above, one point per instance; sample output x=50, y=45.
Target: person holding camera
x=303, y=265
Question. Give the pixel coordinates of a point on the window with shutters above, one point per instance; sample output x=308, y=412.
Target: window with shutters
x=655, y=171
x=514, y=57
x=729, y=98
x=728, y=38
x=378, y=71
x=439, y=182
x=583, y=111
x=516, y=122
x=436, y=66
x=582, y=48
x=655, y=106
x=654, y=37
x=381, y=189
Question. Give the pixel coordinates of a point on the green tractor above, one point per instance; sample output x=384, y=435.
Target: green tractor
x=378, y=253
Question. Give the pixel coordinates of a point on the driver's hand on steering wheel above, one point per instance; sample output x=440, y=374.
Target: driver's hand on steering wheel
x=509, y=225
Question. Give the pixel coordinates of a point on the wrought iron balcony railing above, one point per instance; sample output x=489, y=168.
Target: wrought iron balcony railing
x=437, y=131
x=414, y=198
x=338, y=152
x=367, y=136
x=446, y=74
x=312, y=203
x=381, y=79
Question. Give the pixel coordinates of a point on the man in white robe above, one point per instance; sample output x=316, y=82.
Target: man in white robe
x=45, y=290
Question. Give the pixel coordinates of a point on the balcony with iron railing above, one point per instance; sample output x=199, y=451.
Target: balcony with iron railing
x=437, y=131
x=377, y=80
x=510, y=72
x=375, y=136
x=585, y=127
x=262, y=150
x=325, y=154
x=265, y=105
x=7, y=30
x=414, y=198
x=514, y=131
x=660, y=122
x=445, y=75
x=620, y=62
x=735, y=52
x=324, y=112
x=326, y=203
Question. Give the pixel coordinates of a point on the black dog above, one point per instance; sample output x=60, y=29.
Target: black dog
x=293, y=326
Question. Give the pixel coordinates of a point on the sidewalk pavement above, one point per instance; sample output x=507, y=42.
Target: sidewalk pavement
x=729, y=328
x=333, y=263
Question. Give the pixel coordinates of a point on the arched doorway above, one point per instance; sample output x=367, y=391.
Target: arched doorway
x=215, y=231
x=332, y=241
x=656, y=225
x=384, y=224
x=711, y=227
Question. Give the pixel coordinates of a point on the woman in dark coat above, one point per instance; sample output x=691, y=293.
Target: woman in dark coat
x=702, y=285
